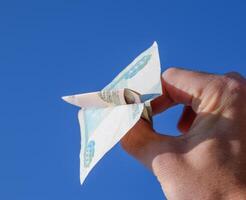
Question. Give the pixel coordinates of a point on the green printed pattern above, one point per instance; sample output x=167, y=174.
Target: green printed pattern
x=129, y=73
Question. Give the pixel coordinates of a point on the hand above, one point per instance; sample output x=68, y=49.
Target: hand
x=208, y=160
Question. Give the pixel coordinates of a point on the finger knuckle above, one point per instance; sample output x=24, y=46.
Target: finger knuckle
x=222, y=91
x=233, y=85
x=217, y=85
x=234, y=74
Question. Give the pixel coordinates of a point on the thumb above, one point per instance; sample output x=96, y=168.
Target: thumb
x=143, y=143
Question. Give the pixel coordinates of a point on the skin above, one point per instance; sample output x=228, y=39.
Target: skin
x=208, y=160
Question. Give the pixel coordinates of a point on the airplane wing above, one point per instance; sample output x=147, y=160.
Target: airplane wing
x=101, y=129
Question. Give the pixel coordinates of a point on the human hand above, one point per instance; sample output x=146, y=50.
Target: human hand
x=208, y=160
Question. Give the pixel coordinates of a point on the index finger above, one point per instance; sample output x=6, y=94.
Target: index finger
x=181, y=86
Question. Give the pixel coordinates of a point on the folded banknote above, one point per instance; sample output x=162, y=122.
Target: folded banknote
x=107, y=115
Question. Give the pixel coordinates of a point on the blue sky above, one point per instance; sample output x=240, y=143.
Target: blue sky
x=52, y=48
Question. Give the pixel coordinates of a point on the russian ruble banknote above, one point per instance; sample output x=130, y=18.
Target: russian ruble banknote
x=107, y=115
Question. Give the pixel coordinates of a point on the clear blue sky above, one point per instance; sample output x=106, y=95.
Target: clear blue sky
x=51, y=48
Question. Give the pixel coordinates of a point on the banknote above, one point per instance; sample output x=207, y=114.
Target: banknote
x=107, y=115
